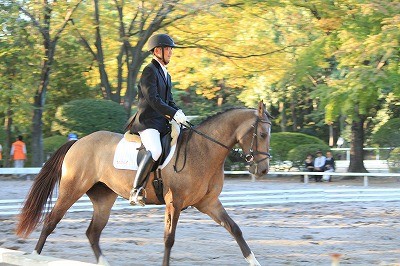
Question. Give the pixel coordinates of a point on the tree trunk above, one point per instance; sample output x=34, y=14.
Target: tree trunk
x=104, y=81
x=331, y=139
x=282, y=111
x=294, y=113
x=49, y=46
x=38, y=105
x=8, y=124
x=357, y=145
x=37, y=137
x=137, y=60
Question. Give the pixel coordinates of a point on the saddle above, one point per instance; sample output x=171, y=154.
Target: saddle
x=166, y=148
x=127, y=150
x=168, y=140
x=132, y=144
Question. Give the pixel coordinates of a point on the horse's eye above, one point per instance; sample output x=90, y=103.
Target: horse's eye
x=263, y=135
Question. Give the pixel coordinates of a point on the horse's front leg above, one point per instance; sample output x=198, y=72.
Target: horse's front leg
x=172, y=212
x=217, y=212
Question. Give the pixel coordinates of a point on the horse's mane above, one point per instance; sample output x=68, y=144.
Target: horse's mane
x=215, y=116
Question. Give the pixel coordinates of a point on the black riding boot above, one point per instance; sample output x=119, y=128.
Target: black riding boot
x=137, y=196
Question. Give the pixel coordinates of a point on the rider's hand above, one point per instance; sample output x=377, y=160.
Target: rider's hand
x=180, y=117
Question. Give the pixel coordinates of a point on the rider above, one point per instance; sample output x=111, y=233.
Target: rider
x=155, y=109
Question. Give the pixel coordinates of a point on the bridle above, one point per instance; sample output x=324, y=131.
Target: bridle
x=248, y=157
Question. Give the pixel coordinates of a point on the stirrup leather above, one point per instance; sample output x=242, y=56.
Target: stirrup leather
x=138, y=196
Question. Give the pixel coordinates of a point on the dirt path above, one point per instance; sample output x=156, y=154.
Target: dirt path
x=365, y=233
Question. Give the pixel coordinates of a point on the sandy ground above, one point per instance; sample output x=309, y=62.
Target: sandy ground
x=364, y=233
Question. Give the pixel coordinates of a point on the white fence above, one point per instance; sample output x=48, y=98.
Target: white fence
x=307, y=175
x=366, y=176
x=20, y=171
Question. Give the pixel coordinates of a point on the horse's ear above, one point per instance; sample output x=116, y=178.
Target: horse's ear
x=261, y=108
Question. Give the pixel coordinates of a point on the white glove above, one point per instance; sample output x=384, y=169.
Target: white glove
x=180, y=117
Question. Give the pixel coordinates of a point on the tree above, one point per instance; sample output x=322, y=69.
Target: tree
x=42, y=17
x=17, y=73
x=388, y=135
x=364, y=49
x=70, y=79
x=357, y=65
x=118, y=80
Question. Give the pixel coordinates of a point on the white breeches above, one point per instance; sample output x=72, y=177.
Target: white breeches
x=151, y=141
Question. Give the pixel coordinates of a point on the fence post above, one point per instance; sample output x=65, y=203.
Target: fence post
x=305, y=179
x=365, y=181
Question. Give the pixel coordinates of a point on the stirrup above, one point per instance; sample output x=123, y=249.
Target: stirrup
x=138, y=197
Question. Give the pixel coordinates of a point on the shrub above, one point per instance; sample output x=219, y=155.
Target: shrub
x=298, y=154
x=51, y=144
x=388, y=135
x=283, y=142
x=89, y=115
x=394, y=161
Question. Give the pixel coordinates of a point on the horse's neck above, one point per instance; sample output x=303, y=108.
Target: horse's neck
x=225, y=127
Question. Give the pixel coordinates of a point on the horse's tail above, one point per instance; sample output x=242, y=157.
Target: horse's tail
x=41, y=192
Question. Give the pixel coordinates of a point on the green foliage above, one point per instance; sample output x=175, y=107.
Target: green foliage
x=388, y=135
x=51, y=144
x=199, y=106
x=17, y=70
x=68, y=80
x=235, y=163
x=298, y=154
x=2, y=136
x=314, y=62
x=89, y=115
x=283, y=142
x=394, y=161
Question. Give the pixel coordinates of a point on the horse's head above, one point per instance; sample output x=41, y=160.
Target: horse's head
x=254, y=141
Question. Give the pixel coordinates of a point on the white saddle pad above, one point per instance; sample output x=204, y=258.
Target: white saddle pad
x=125, y=156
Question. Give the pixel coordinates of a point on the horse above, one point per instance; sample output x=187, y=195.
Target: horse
x=85, y=166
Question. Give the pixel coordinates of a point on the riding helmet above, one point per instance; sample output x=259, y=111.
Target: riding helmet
x=160, y=40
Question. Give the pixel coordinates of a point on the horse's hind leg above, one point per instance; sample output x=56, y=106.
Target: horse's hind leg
x=172, y=213
x=218, y=213
x=63, y=203
x=103, y=199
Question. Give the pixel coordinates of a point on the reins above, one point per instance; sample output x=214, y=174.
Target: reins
x=236, y=152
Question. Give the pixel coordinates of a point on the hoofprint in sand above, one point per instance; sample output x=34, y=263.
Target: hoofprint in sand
x=364, y=233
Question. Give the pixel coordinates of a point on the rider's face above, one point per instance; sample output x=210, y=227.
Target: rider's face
x=167, y=54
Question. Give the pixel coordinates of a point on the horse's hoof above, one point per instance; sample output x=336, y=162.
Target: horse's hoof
x=251, y=259
x=140, y=201
x=137, y=200
x=103, y=261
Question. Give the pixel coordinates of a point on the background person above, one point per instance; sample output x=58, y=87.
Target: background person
x=72, y=136
x=309, y=163
x=18, y=152
x=329, y=166
x=319, y=163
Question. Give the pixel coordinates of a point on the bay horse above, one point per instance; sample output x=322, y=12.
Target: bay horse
x=86, y=166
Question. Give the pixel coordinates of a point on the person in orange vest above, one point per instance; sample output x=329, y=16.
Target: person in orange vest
x=18, y=152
